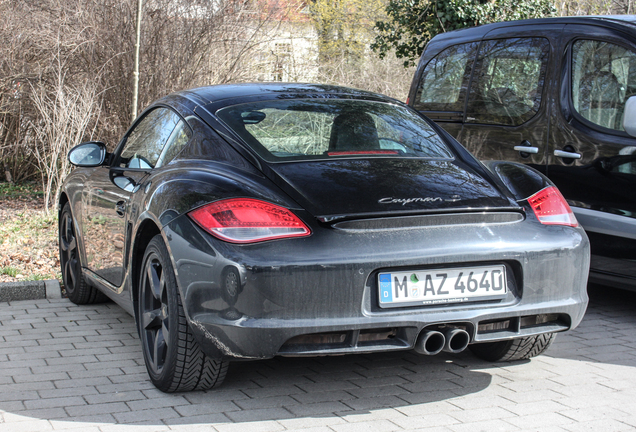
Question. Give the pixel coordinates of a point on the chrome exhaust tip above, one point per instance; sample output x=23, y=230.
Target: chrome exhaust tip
x=456, y=340
x=430, y=342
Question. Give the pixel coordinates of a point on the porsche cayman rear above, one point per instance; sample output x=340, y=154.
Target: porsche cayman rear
x=356, y=225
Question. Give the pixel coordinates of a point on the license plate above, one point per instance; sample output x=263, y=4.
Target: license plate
x=439, y=286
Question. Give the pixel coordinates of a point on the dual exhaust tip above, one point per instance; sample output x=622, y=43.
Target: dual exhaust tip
x=452, y=340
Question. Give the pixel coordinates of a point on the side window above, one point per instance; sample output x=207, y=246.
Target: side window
x=603, y=77
x=177, y=140
x=508, y=83
x=445, y=78
x=146, y=141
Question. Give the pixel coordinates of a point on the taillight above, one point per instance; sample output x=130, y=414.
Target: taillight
x=245, y=220
x=551, y=208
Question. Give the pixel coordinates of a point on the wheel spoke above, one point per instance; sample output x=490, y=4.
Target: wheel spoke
x=67, y=237
x=151, y=319
x=165, y=329
x=154, y=279
x=162, y=289
x=159, y=351
x=72, y=271
x=72, y=244
x=68, y=280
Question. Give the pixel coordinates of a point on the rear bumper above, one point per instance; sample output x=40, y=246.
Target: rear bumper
x=256, y=339
x=326, y=284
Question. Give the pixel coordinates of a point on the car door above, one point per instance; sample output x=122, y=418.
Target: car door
x=592, y=159
x=507, y=112
x=107, y=219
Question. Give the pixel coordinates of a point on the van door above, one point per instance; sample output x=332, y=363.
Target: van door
x=443, y=85
x=507, y=110
x=592, y=159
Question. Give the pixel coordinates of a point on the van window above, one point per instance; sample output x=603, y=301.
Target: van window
x=445, y=78
x=508, y=81
x=603, y=77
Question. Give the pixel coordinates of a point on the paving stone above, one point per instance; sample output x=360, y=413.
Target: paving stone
x=54, y=402
x=371, y=426
x=583, y=383
x=326, y=396
x=219, y=395
x=280, y=390
x=164, y=401
x=254, y=426
x=259, y=415
x=136, y=427
x=374, y=402
x=370, y=415
x=425, y=421
x=97, y=409
x=45, y=413
x=605, y=425
x=266, y=402
x=206, y=409
x=148, y=415
x=77, y=383
x=307, y=422
x=486, y=425
x=317, y=409
x=539, y=420
x=327, y=386
x=97, y=398
x=204, y=423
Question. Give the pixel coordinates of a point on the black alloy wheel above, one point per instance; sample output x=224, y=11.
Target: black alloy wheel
x=77, y=290
x=173, y=358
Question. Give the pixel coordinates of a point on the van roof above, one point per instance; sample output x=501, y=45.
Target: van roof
x=624, y=22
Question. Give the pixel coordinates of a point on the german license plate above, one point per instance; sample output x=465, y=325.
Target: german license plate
x=439, y=286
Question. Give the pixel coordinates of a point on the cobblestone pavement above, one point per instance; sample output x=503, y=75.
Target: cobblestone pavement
x=80, y=367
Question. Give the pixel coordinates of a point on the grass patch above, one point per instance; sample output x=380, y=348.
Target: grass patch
x=10, y=191
x=9, y=271
x=28, y=245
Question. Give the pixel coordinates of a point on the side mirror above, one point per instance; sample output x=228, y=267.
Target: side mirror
x=88, y=154
x=629, y=116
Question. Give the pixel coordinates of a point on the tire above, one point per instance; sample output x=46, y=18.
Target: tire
x=173, y=358
x=77, y=290
x=514, y=349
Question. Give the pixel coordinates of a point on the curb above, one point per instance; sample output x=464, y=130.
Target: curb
x=30, y=290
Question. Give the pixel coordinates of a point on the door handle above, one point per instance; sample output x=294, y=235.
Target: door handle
x=520, y=148
x=120, y=207
x=568, y=155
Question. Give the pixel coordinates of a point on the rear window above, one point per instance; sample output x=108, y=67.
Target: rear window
x=302, y=129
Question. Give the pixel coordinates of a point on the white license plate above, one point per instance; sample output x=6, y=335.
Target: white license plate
x=439, y=286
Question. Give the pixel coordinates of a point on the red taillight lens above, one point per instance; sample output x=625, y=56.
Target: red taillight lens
x=245, y=220
x=551, y=208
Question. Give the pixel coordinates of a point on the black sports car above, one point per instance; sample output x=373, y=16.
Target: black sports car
x=248, y=221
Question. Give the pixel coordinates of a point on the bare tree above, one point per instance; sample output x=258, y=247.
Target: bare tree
x=595, y=7
x=57, y=56
x=65, y=116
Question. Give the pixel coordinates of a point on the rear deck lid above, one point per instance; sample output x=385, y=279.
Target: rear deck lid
x=344, y=158
x=379, y=186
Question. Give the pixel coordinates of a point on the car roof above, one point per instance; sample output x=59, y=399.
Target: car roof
x=218, y=96
x=624, y=22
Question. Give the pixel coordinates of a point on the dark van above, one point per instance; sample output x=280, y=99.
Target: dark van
x=558, y=94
